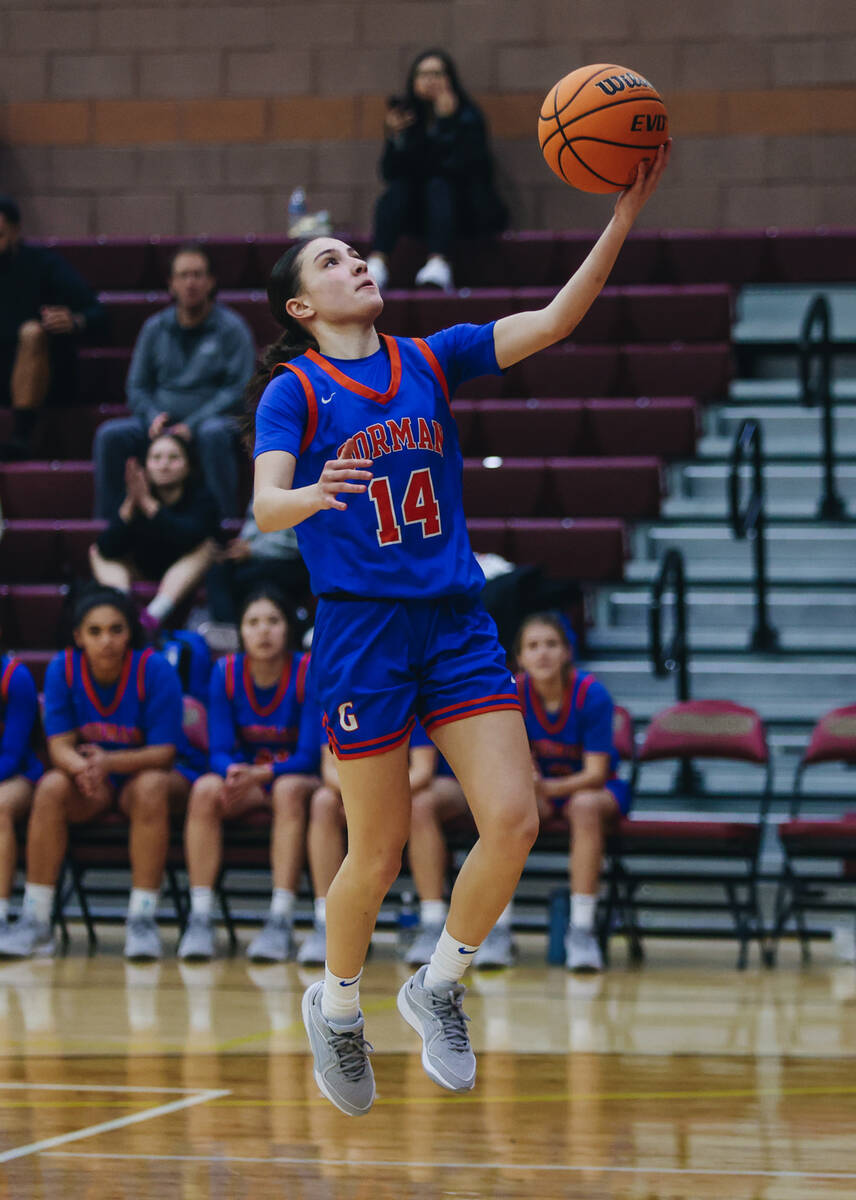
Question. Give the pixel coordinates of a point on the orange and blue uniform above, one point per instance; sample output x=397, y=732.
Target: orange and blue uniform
x=400, y=633
x=19, y=710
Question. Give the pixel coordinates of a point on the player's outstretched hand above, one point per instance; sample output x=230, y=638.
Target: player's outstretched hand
x=340, y=475
x=632, y=200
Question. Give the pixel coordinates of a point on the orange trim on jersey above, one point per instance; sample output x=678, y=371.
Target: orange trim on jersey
x=582, y=690
x=282, y=687
x=557, y=725
x=431, y=358
x=300, y=684
x=141, y=673
x=462, y=716
x=358, y=388
x=466, y=703
x=69, y=667
x=120, y=686
x=311, y=404
x=7, y=677
x=230, y=677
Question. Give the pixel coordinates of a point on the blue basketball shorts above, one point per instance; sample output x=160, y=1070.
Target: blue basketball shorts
x=377, y=665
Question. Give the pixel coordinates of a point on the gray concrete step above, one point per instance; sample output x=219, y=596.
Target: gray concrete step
x=788, y=429
x=796, y=553
x=783, y=482
x=608, y=640
x=784, y=391
x=728, y=612
x=774, y=313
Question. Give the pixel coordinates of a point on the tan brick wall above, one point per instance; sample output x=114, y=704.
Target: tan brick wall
x=180, y=117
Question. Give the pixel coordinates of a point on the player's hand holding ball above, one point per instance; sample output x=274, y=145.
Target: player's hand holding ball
x=340, y=475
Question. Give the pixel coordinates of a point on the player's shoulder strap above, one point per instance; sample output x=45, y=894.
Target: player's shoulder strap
x=69, y=666
x=11, y=666
x=311, y=401
x=583, y=683
x=230, y=675
x=434, y=363
x=300, y=682
x=141, y=672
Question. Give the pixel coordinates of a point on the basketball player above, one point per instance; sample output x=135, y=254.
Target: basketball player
x=356, y=447
x=263, y=751
x=113, y=722
x=20, y=769
x=568, y=717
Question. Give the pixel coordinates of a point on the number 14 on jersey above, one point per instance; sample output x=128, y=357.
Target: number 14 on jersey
x=419, y=507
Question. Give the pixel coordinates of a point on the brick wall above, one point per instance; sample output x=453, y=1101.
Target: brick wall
x=179, y=117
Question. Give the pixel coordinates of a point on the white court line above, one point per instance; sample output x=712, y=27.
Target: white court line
x=95, y=1087
x=149, y=1114
x=461, y=1166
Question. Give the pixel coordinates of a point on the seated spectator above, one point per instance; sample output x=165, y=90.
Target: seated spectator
x=45, y=306
x=432, y=787
x=438, y=169
x=20, y=769
x=165, y=530
x=188, y=372
x=568, y=718
x=263, y=751
x=251, y=560
x=113, y=721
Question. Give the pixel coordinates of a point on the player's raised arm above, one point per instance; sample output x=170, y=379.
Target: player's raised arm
x=276, y=505
x=521, y=334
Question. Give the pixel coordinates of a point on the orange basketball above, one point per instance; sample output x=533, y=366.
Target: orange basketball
x=598, y=123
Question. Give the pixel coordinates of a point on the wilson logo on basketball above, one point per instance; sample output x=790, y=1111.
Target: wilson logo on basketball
x=617, y=83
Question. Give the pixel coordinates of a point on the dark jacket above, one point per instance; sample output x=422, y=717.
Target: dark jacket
x=34, y=276
x=153, y=544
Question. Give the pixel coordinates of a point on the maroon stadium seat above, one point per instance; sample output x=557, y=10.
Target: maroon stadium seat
x=44, y=489
x=699, y=369
x=514, y=489
x=30, y=552
x=587, y=549
x=697, y=313
x=822, y=255
x=522, y=427
x=667, y=427
x=725, y=256
x=32, y=615
x=75, y=539
x=488, y=535
x=254, y=308
x=567, y=370
x=606, y=487
x=233, y=259
x=107, y=264
x=102, y=375
x=639, y=260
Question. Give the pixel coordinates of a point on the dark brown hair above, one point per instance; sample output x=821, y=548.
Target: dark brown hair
x=555, y=622
x=283, y=285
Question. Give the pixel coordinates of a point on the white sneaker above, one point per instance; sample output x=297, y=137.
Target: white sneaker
x=497, y=950
x=436, y=273
x=582, y=951
x=378, y=270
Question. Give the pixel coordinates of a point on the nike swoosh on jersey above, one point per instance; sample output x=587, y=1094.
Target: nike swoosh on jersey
x=327, y=399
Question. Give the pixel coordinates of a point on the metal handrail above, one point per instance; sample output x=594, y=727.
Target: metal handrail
x=750, y=522
x=674, y=658
x=815, y=363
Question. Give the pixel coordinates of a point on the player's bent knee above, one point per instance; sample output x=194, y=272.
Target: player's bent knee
x=52, y=791
x=326, y=806
x=149, y=795
x=32, y=335
x=206, y=798
x=586, y=807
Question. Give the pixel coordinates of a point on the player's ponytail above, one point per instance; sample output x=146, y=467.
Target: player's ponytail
x=294, y=340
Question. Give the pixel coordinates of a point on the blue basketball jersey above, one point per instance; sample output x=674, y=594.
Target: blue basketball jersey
x=405, y=537
x=19, y=708
x=582, y=725
x=143, y=708
x=261, y=725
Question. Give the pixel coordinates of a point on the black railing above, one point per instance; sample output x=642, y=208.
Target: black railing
x=750, y=523
x=671, y=659
x=815, y=354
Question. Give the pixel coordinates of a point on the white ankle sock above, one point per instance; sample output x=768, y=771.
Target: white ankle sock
x=201, y=899
x=160, y=607
x=38, y=902
x=281, y=903
x=582, y=911
x=433, y=912
x=449, y=960
x=504, y=919
x=320, y=910
x=143, y=902
x=4, y=908
x=340, y=1000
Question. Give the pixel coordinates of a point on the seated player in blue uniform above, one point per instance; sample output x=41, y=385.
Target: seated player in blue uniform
x=430, y=781
x=568, y=716
x=356, y=447
x=263, y=751
x=113, y=721
x=20, y=769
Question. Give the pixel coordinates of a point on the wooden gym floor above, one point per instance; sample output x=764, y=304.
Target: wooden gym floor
x=684, y=1080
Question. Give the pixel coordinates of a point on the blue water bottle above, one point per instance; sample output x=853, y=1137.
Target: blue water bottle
x=296, y=209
